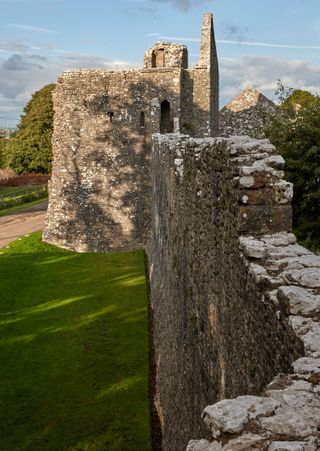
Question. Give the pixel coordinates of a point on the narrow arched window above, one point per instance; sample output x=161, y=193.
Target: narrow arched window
x=142, y=119
x=158, y=58
x=153, y=60
x=166, y=124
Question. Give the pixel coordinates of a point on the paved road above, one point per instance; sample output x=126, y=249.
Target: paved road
x=21, y=223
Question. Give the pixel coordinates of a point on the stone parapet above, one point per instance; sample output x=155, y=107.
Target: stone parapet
x=264, y=196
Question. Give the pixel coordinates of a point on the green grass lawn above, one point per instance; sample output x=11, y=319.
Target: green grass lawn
x=73, y=350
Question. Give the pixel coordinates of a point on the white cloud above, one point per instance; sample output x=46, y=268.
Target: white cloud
x=22, y=74
x=267, y=44
x=13, y=46
x=179, y=38
x=30, y=28
x=263, y=73
x=243, y=43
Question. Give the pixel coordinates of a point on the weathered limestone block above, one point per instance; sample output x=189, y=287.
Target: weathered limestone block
x=258, y=271
x=299, y=301
x=290, y=251
x=292, y=446
x=279, y=239
x=263, y=219
x=248, y=159
x=298, y=394
x=253, y=248
x=292, y=424
x=283, y=192
x=275, y=161
x=244, y=145
x=300, y=324
x=246, y=442
x=307, y=365
x=204, y=445
x=256, y=177
x=232, y=415
x=306, y=277
x=311, y=340
x=279, y=193
x=289, y=263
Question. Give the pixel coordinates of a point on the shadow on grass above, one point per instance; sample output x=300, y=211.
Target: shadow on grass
x=73, y=350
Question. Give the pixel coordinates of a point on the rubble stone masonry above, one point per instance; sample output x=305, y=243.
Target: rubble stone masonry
x=235, y=300
x=218, y=332
x=100, y=191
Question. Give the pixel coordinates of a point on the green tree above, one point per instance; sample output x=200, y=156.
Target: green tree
x=31, y=149
x=3, y=148
x=296, y=134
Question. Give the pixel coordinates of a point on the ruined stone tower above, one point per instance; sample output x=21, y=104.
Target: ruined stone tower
x=100, y=186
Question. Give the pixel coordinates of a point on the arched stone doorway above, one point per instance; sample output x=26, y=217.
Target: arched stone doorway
x=166, y=124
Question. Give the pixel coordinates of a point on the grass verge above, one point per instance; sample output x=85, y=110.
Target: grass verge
x=17, y=195
x=21, y=207
x=73, y=350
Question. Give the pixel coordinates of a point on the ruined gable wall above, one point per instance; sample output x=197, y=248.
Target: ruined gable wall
x=100, y=188
x=249, y=113
x=216, y=332
x=205, y=78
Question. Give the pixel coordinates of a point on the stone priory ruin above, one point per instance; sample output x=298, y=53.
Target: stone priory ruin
x=138, y=162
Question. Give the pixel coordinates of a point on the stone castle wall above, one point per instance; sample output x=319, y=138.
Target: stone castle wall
x=100, y=191
x=217, y=331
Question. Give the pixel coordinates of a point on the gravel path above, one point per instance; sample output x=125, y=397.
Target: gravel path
x=21, y=223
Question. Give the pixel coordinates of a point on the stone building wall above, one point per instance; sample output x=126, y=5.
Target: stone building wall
x=100, y=191
x=247, y=114
x=100, y=188
x=216, y=333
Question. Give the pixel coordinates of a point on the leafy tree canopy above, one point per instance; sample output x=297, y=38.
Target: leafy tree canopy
x=31, y=149
x=3, y=149
x=296, y=134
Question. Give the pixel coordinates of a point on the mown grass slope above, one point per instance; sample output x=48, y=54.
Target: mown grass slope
x=73, y=350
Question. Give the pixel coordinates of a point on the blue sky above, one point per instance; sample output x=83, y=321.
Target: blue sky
x=259, y=41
